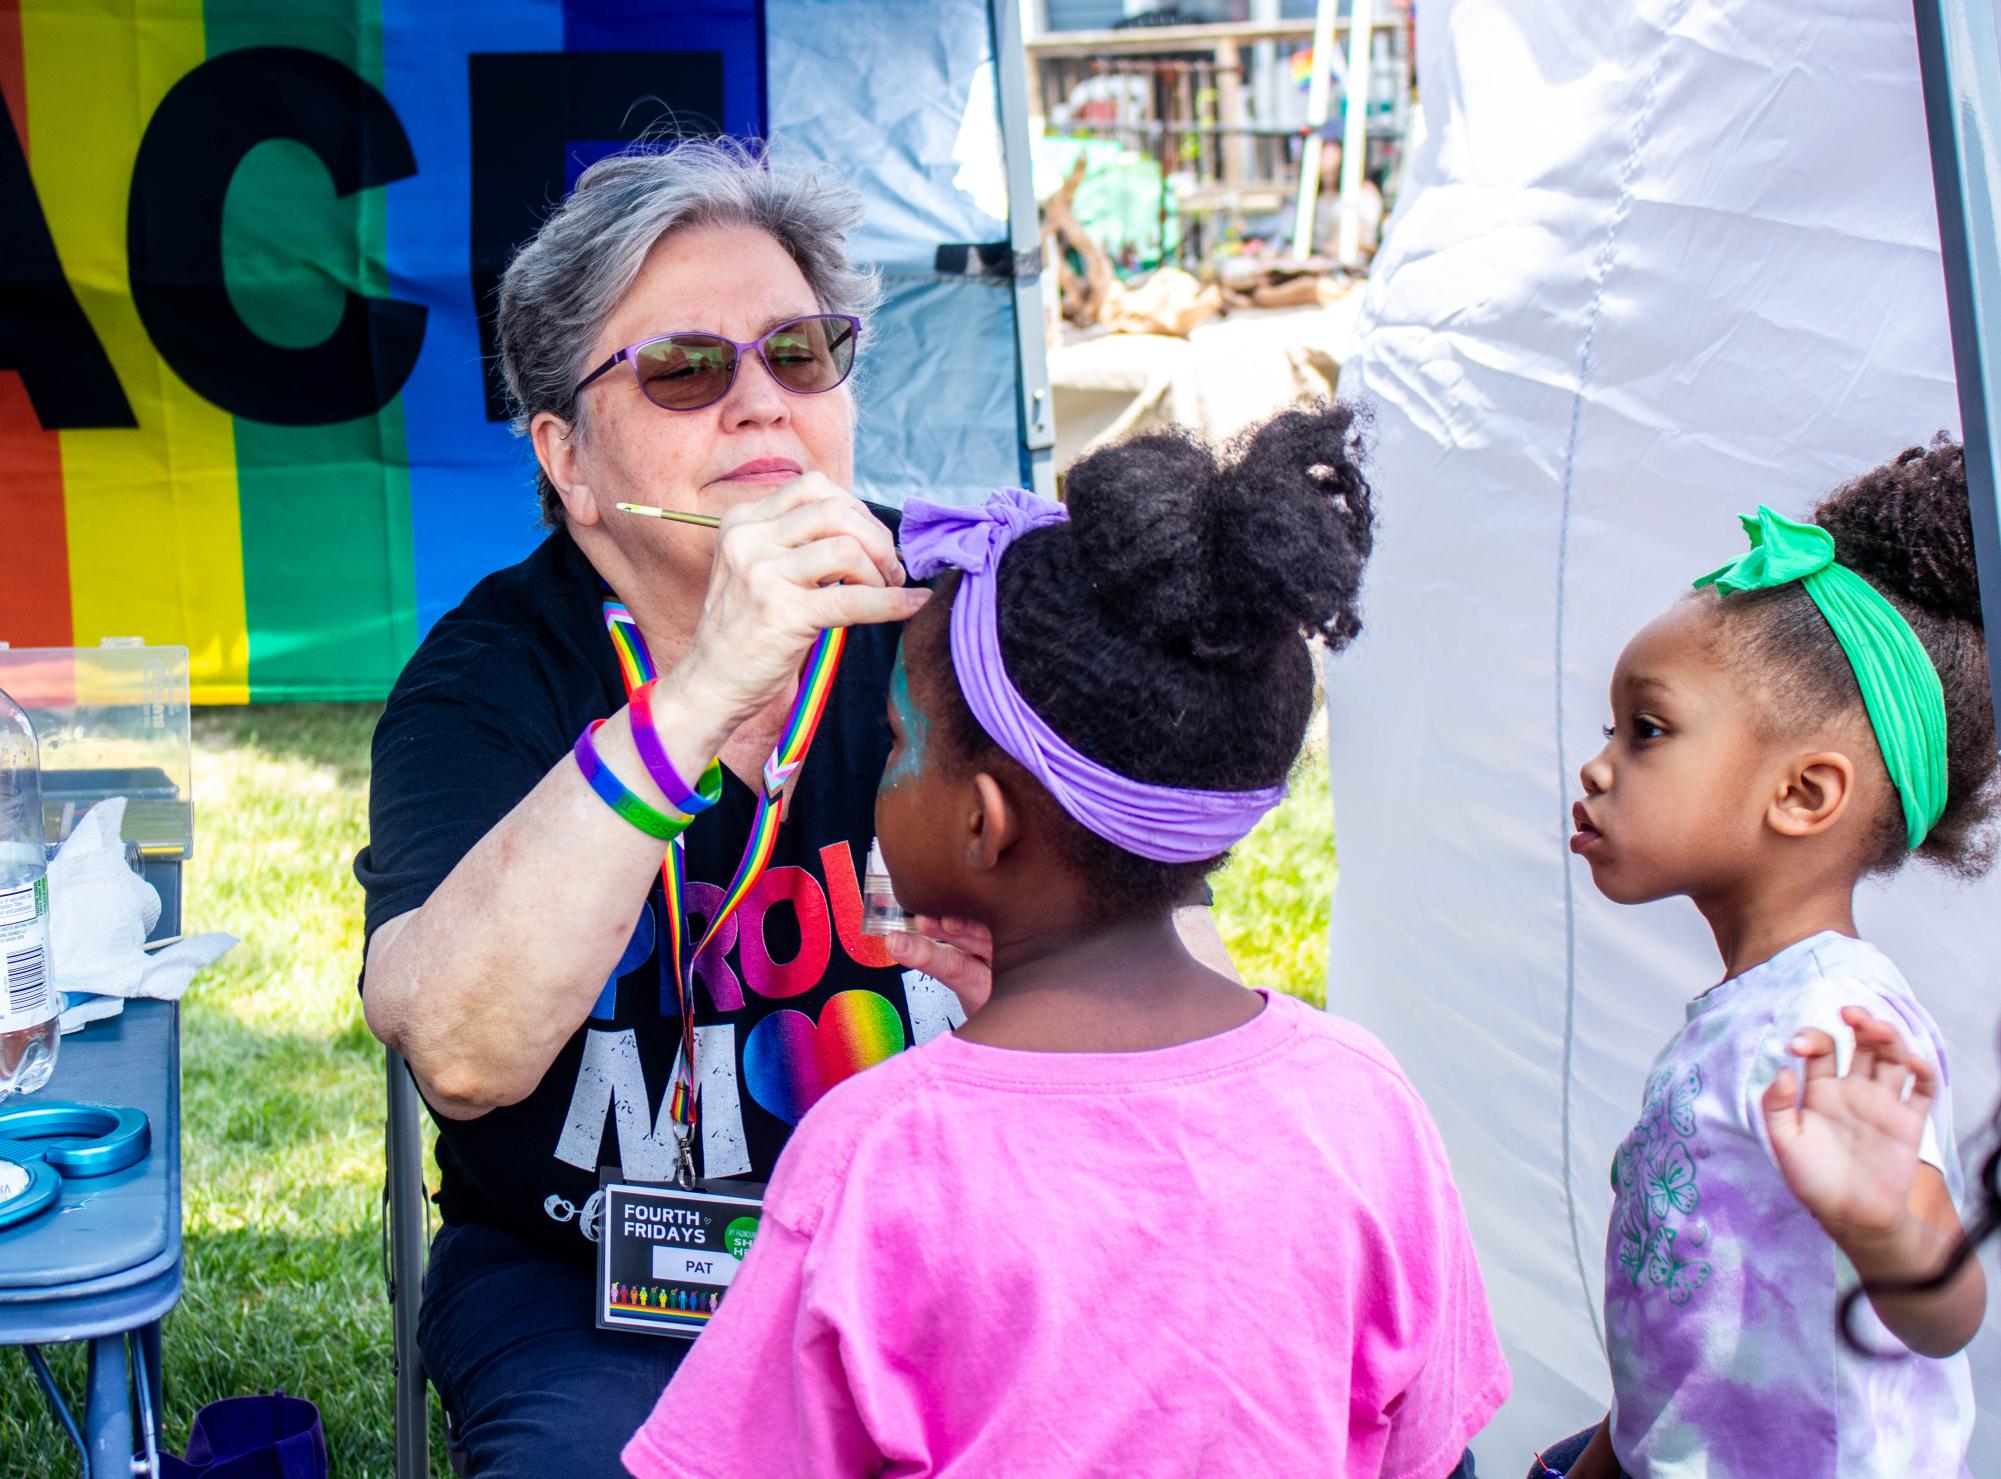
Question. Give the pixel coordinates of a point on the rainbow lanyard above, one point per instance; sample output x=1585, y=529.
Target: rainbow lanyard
x=816, y=685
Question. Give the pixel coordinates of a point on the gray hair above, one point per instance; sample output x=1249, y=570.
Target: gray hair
x=569, y=278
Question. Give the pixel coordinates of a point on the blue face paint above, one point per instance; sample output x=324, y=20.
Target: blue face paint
x=914, y=723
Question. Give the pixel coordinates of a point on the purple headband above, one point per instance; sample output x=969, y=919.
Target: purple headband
x=1164, y=823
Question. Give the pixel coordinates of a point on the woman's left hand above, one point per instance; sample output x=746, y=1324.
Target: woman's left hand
x=958, y=953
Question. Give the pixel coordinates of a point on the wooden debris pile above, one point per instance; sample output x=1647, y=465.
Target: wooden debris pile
x=1170, y=301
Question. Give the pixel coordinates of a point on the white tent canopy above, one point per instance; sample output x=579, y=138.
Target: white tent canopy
x=1653, y=265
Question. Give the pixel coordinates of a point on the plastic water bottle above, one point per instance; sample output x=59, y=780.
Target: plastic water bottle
x=30, y=1006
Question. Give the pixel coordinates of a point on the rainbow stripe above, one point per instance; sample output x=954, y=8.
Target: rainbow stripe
x=294, y=561
x=635, y=664
x=674, y=892
x=663, y=1313
x=816, y=685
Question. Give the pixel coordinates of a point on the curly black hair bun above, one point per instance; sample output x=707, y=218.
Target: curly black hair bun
x=1906, y=528
x=1221, y=561
x=1162, y=629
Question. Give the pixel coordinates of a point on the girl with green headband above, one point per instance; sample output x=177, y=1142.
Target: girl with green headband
x=1813, y=713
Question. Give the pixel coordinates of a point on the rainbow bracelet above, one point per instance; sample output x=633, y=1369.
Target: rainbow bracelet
x=646, y=737
x=613, y=792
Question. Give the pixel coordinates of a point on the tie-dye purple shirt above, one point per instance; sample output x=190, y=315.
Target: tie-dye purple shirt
x=1721, y=1289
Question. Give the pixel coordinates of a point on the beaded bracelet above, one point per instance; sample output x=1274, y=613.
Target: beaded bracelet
x=666, y=826
x=646, y=737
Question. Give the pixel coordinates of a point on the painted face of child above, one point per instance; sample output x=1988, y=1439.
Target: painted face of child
x=916, y=802
x=1674, y=803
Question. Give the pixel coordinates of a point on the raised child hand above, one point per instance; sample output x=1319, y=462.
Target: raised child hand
x=1848, y=1146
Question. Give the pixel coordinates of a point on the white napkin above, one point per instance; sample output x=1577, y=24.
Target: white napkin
x=99, y=914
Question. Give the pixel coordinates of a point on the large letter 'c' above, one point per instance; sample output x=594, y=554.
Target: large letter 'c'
x=200, y=133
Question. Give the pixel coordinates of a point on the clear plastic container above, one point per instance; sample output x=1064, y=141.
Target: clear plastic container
x=113, y=721
x=30, y=1006
x=881, y=914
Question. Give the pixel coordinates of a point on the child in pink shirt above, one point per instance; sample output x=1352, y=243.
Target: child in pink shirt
x=1132, y=1218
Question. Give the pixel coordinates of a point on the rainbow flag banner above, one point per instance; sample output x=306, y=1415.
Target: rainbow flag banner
x=247, y=397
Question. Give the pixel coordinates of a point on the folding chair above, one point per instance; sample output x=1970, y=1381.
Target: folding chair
x=404, y=1233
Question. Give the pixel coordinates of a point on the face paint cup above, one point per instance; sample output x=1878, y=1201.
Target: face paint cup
x=881, y=914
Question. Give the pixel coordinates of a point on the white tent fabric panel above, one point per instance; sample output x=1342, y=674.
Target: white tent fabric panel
x=1653, y=265
x=942, y=424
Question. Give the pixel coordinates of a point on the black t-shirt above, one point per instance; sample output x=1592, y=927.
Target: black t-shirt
x=792, y=996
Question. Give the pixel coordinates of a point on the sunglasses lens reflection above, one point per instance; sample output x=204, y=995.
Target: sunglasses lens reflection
x=685, y=372
x=810, y=355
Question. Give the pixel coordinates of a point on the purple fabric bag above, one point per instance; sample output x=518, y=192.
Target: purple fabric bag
x=274, y=1437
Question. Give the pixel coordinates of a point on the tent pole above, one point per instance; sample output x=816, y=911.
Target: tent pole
x=1355, y=131
x=1317, y=98
x=1037, y=417
x=1960, y=63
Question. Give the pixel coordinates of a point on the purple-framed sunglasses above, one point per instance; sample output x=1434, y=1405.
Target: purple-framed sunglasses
x=685, y=372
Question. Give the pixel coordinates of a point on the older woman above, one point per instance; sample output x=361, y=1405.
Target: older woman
x=679, y=334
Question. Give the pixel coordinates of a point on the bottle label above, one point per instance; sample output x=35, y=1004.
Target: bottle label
x=24, y=956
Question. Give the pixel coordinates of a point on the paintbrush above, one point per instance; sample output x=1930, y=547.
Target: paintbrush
x=706, y=521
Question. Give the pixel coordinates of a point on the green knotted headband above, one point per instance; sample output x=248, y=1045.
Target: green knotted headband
x=1900, y=687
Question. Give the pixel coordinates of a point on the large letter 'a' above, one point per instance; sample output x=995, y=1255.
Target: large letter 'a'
x=43, y=333
x=200, y=133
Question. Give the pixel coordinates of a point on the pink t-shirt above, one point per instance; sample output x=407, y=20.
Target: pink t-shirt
x=1238, y=1256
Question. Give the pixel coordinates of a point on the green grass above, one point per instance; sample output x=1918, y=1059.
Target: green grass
x=1274, y=897
x=282, y=1085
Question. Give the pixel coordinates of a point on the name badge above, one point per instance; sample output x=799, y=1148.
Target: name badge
x=667, y=1254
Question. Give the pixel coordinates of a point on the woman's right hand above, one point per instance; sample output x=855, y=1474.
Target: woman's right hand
x=956, y=953
x=808, y=557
